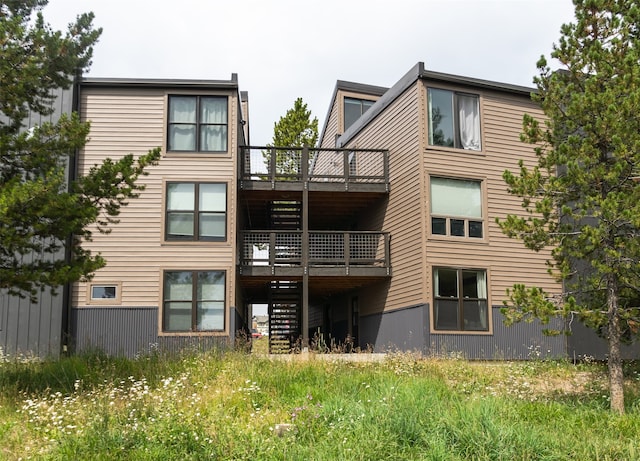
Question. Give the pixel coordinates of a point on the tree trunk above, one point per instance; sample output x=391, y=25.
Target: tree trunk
x=616, y=378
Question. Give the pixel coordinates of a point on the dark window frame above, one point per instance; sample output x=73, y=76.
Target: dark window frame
x=196, y=214
x=361, y=102
x=194, y=301
x=457, y=143
x=460, y=299
x=198, y=123
x=470, y=225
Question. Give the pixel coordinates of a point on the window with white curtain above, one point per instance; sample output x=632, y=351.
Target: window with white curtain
x=456, y=207
x=460, y=300
x=196, y=211
x=454, y=119
x=197, y=123
x=193, y=301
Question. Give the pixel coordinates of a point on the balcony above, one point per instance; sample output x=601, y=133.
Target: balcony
x=290, y=169
x=289, y=254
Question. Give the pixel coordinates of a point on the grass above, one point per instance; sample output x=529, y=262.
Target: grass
x=228, y=406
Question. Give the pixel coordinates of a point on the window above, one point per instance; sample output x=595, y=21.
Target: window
x=197, y=124
x=460, y=300
x=353, y=109
x=103, y=293
x=196, y=211
x=454, y=119
x=456, y=208
x=193, y=301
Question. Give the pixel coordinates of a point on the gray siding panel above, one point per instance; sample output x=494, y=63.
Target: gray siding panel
x=35, y=329
x=585, y=343
x=31, y=329
x=407, y=330
x=132, y=331
x=518, y=342
x=398, y=330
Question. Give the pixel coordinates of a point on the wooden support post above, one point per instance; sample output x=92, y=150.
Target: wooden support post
x=305, y=247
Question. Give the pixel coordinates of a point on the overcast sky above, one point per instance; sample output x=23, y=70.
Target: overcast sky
x=285, y=49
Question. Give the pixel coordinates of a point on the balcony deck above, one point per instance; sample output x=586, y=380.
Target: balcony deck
x=335, y=261
x=334, y=186
x=328, y=170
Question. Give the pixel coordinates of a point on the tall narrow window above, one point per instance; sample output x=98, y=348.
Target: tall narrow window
x=353, y=110
x=454, y=119
x=197, y=123
x=193, y=301
x=196, y=211
x=460, y=300
x=456, y=207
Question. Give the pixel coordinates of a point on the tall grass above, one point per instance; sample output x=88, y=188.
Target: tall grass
x=228, y=406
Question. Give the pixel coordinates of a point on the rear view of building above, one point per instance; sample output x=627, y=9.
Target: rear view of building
x=383, y=237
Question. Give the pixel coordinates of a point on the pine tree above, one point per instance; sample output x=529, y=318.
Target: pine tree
x=294, y=129
x=583, y=197
x=39, y=208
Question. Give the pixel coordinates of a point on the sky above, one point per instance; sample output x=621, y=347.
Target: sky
x=285, y=49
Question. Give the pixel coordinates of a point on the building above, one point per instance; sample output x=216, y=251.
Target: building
x=383, y=236
x=171, y=261
x=449, y=140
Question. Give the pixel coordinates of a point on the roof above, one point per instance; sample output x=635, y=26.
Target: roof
x=343, y=85
x=419, y=72
x=160, y=83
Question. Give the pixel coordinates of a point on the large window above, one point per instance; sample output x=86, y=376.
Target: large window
x=196, y=211
x=460, y=300
x=197, y=123
x=353, y=109
x=193, y=301
x=454, y=119
x=456, y=207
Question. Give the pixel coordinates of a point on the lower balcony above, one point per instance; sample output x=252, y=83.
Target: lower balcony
x=322, y=254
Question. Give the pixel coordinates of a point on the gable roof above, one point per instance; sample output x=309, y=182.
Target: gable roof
x=419, y=72
x=361, y=88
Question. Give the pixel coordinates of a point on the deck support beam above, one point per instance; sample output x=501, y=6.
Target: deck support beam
x=305, y=247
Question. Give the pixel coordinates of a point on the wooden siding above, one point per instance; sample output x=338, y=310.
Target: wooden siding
x=396, y=130
x=507, y=260
x=133, y=121
x=335, y=122
x=402, y=129
x=331, y=129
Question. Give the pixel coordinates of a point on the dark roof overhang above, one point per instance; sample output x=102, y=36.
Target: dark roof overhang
x=160, y=83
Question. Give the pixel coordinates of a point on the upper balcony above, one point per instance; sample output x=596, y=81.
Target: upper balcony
x=316, y=169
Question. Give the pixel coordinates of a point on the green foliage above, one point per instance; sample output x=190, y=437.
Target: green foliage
x=295, y=128
x=582, y=198
x=39, y=208
x=215, y=406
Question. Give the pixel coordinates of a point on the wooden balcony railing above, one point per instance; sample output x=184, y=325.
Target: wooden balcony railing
x=287, y=248
x=366, y=166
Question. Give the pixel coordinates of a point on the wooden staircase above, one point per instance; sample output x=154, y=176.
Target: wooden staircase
x=285, y=215
x=284, y=316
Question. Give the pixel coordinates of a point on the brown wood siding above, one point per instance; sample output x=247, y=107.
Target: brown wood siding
x=133, y=121
x=396, y=129
x=331, y=130
x=507, y=260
